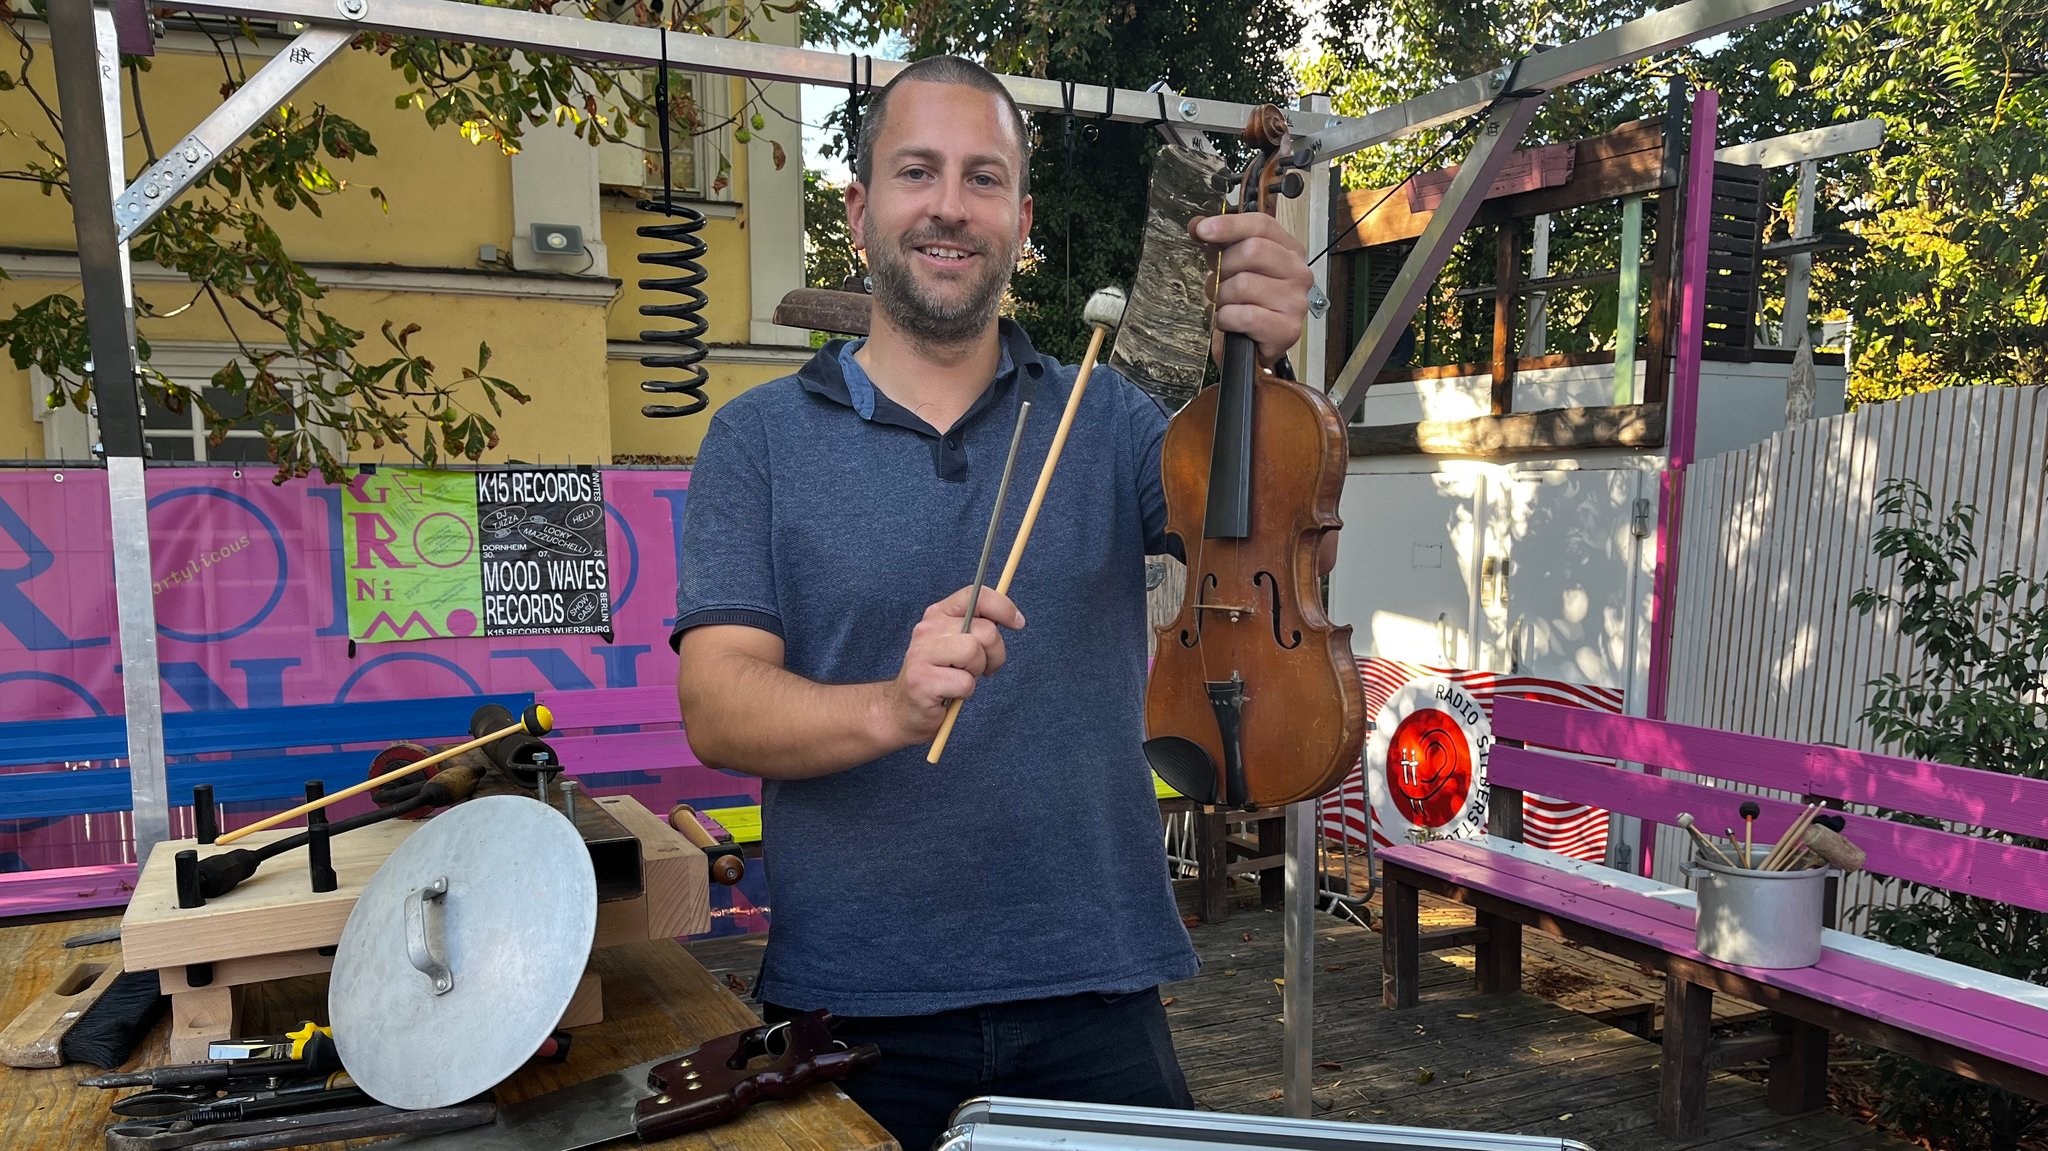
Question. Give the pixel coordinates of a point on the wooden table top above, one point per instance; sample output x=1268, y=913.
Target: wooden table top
x=657, y=1001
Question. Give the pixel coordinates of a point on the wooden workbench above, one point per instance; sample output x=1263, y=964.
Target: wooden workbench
x=658, y=1000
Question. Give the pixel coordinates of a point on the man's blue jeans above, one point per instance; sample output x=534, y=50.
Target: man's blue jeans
x=1088, y=1048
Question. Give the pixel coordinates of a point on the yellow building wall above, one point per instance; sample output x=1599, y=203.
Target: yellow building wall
x=634, y=434
x=552, y=350
x=447, y=196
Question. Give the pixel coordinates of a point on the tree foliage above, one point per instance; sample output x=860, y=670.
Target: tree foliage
x=299, y=368
x=829, y=256
x=1953, y=286
x=1949, y=284
x=1974, y=699
x=1089, y=178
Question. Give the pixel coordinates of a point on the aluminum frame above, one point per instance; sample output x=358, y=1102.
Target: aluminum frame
x=602, y=40
x=183, y=164
x=84, y=47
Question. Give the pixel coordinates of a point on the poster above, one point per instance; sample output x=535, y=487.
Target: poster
x=409, y=540
x=543, y=553
x=448, y=555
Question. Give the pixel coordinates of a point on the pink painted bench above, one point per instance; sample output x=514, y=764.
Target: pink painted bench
x=1976, y=1024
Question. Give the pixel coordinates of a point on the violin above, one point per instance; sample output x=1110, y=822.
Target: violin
x=1255, y=699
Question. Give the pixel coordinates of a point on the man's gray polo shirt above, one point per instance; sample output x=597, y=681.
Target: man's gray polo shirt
x=1028, y=862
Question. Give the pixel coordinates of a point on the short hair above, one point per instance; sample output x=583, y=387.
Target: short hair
x=940, y=70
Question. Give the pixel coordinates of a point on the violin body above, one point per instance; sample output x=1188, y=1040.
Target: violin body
x=1251, y=637
x=1255, y=700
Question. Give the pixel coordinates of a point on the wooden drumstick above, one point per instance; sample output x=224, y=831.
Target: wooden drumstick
x=1794, y=837
x=1105, y=310
x=537, y=720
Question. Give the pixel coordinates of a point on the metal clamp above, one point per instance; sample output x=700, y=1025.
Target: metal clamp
x=423, y=943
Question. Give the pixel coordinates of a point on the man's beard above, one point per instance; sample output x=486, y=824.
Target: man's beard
x=924, y=317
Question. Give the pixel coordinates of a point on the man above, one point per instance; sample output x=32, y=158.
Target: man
x=1000, y=922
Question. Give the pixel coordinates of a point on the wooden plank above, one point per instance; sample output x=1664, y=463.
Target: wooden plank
x=1942, y=859
x=1971, y=795
x=1557, y=429
x=672, y=869
x=1688, y=1028
x=272, y=911
x=1969, y=1020
x=2004, y=988
x=1506, y=270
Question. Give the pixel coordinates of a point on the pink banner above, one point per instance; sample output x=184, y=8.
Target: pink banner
x=249, y=583
x=251, y=608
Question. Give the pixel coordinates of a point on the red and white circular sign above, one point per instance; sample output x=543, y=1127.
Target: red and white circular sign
x=1426, y=761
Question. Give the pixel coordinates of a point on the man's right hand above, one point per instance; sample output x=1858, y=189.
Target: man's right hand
x=944, y=662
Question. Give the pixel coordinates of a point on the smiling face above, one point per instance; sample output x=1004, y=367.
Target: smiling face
x=941, y=217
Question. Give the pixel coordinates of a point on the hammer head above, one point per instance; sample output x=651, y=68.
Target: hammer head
x=1105, y=307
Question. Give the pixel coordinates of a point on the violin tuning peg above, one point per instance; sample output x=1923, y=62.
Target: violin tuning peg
x=1291, y=184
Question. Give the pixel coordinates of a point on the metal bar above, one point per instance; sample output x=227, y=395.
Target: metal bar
x=1813, y=144
x=84, y=45
x=1544, y=71
x=182, y=166
x=1539, y=276
x=601, y=40
x=1298, y=931
x=1496, y=142
x=1799, y=272
x=1625, y=304
x=1322, y=179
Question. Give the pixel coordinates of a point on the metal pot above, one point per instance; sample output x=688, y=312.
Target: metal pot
x=1759, y=918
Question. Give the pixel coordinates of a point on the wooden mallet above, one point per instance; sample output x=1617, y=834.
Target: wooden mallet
x=536, y=720
x=1105, y=310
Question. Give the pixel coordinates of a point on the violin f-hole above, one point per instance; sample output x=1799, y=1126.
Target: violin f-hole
x=1193, y=638
x=1293, y=637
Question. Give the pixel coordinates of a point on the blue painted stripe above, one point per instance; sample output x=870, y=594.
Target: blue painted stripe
x=250, y=729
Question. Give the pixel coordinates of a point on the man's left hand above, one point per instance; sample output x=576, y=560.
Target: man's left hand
x=1264, y=282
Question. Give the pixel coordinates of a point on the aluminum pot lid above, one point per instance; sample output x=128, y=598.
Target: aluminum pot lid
x=463, y=951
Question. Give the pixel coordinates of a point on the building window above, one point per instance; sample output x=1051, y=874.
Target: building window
x=176, y=436
x=633, y=165
x=182, y=435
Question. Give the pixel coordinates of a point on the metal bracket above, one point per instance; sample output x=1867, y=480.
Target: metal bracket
x=182, y=166
x=423, y=944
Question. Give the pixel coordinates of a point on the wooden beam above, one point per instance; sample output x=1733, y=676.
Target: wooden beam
x=1507, y=268
x=823, y=310
x=1558, y=429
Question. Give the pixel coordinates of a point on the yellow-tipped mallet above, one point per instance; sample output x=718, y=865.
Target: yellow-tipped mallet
x=535, y=720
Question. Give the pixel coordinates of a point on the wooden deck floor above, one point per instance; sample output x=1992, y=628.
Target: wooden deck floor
x=1514, y=1063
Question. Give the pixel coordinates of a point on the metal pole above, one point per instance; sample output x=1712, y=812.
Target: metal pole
x=601, y=40
x=1303, y=884
x=1297, y=996
x=82, y=43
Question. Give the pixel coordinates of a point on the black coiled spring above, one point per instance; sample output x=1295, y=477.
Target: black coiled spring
x=681, y=228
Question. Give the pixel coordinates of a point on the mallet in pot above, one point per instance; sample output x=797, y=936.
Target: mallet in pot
x=536, y=720
x=1749, y=812
x=1824, y=838
x=1700, y=837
